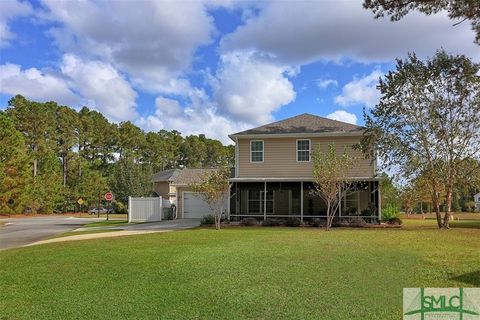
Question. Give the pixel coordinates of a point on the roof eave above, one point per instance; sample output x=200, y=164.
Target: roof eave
x=296, y=135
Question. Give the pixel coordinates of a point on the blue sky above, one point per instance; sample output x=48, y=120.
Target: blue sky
x=210, y=66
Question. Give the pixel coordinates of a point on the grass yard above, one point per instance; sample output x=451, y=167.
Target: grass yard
x=238, y=273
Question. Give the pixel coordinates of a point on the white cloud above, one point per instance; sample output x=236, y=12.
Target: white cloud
x=152, y=41
x=361, y=91
x=334, y=30
x=79, y=82
x=35, y=84
x=168, y=107
x=249, y=88
x=341, y=115
x=323, y=84
x=9, y=10
x=196, y=118
x=101, y=86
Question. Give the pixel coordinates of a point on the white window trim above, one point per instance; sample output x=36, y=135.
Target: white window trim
x=309, y=150
x=263, y=151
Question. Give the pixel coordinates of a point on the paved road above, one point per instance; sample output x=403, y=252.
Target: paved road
x=22, y=231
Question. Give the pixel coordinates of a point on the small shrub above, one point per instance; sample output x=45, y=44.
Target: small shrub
x=366, y=212
x=271, y=223
x=207, y=220
x=352, y=222
x=357, y=222
x=119, y=207
x=389, y=212
x=317, y=222
x=395, y=221
x=293, y=222
x=469, y=206
x=249, y=222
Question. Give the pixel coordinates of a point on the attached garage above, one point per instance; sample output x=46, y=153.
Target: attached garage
x=194, y=206
x=174, y=185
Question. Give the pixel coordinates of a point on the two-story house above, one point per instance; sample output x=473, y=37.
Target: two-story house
x=273, y=170
x=273, y=173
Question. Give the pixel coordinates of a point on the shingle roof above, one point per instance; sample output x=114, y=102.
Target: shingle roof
x=167, y=175
x=183, y=176
x=303, y=123
x=190, y=176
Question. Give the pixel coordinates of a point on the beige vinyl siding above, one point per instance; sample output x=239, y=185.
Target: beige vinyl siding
x=279, y=158
x=172, y=193
x=162, y=189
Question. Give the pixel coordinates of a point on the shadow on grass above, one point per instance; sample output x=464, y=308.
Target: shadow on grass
x=430, y=224
x=471, y=224
x=472, y=278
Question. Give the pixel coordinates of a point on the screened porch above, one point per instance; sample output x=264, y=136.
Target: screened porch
x=284, y=199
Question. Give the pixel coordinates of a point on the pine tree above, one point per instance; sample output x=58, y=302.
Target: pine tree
x=14, y=167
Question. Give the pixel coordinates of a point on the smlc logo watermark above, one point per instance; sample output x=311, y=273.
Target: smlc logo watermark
x=441, y=303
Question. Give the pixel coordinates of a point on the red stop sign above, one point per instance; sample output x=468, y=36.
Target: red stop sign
x=108, y=196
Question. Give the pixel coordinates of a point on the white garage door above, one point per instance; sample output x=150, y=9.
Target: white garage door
x=194, y=206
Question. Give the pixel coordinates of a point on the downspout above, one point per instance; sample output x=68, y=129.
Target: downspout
x=379, y=201
x=236, y=158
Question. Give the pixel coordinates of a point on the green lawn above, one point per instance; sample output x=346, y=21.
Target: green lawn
x=238, y=273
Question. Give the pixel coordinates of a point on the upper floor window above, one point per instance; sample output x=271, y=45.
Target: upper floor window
x=303, y=150
x=256, y=151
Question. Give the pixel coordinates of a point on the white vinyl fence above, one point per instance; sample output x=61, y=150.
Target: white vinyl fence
x=147, y=209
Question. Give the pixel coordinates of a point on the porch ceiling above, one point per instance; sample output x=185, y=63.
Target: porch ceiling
x=296, y=179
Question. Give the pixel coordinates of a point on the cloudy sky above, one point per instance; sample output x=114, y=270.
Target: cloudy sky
x=210, y=66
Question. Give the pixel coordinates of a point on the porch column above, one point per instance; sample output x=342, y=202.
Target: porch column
x=301, y=201
x=340, y=202
x=379, y=202
x=229, y=200
x=265, y=201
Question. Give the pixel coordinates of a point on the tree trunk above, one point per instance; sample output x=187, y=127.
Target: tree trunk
x=436, y=205
x=448, y=208
x=329, y=218
x=217, y=220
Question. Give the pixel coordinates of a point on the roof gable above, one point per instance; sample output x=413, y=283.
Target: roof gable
x=166, y=175
x=183, y=176
x=191, y=176
x=304, y=123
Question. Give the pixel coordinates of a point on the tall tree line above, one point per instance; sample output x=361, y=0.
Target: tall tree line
x=52, y=155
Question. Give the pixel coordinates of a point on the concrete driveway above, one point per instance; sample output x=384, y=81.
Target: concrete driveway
x=152, y=226
x=125, y=230
x=23, y=231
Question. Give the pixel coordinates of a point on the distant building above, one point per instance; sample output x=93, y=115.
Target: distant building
x=476, y=198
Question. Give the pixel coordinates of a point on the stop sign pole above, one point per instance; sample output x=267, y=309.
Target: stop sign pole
x=108, y=198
